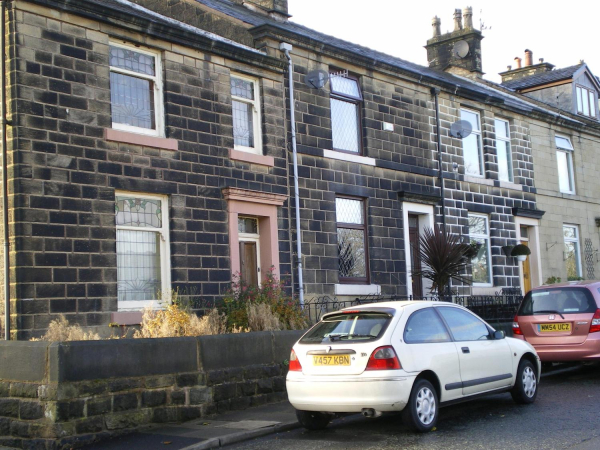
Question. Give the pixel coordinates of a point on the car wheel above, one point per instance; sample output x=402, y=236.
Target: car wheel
x=421, y=413
x=312, y=420
x=525, y=388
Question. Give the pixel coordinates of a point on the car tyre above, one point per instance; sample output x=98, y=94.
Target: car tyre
x=525, y=389
x=312, y=420
x=421, y=412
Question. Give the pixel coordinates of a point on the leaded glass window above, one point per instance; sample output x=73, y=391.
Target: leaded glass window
x=473, y=158
x=135, y=90
x=479, y=234
x=345, y=113
x=352, y=240
x=245, y=107
x=142, y=250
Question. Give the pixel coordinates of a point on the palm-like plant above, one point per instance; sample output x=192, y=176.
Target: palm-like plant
x=442, y=257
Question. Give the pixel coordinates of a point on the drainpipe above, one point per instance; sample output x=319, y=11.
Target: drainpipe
x=286, y=48
x=436, y=92
x=4, y=171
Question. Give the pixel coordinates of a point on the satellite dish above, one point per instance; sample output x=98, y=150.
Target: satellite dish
x=316, y=79
x=461, y=49
x=461, y=129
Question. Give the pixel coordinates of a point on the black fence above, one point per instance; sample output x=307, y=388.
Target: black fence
x=500, y=307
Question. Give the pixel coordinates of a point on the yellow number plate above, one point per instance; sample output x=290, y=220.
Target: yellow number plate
x=331, y=360
x=553, y=327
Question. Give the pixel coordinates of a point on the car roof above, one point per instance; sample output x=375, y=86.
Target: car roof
x=397, y=305
x=590, y=284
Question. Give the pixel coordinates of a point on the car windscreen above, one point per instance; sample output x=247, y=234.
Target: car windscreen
x=348, y=327
x=567, y=300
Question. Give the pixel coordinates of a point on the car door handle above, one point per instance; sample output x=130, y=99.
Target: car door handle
x=466, y=350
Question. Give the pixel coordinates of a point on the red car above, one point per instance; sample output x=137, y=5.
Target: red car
x=561, y=321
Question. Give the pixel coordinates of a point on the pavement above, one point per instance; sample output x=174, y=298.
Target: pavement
x=218, y=431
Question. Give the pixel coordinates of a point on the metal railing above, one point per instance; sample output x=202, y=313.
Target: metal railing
x=500, y=307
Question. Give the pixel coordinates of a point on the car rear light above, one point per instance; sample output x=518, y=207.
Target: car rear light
x=295, y=365
x=595, y=326
x=384, y=358
x=516, y=329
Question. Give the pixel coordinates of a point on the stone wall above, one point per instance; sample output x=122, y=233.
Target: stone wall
x=69, y=394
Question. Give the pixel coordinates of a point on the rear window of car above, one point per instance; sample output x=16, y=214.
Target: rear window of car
x=345, y=327
x=558, y=301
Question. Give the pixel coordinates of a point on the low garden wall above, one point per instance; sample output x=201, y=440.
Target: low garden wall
x=68, y=394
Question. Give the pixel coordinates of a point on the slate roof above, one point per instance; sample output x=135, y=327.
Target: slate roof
x=543, y=78
x=482, y=89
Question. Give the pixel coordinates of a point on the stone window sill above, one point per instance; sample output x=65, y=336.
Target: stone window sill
x=332, y=154
x=110, y=134
x=126, y=317
x=510, y=185
x=357, y=289
x=251, y=158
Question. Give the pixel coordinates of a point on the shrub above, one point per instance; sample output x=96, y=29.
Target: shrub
x=552, y=280
x=272, y=293
x=59, y=330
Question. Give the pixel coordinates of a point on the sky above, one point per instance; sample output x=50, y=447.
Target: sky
x=561, y=33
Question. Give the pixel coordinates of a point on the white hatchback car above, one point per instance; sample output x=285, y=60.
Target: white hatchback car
x=404, y=356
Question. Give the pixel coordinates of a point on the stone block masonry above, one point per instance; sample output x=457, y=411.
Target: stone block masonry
x=66, y=168
x=65, y=395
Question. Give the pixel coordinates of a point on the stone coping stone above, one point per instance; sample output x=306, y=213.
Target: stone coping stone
x=93, y=360
x=23, y=360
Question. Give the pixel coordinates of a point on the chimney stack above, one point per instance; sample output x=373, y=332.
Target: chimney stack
x=458, y=51
x=527, y=69
x=457, y=20
x=468, y=18
x=437, y=26
x=528, y=57
x=277, y=9
x=518, y=62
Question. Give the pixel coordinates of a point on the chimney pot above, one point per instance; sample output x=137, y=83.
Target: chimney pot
x=518, y=62
x=457, y=20
x=437, y=26
x=528, y=57
x=541, y=60
x=509, y=67
x=468, y=18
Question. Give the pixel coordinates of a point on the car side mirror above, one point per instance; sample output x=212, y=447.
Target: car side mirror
x=498, y=334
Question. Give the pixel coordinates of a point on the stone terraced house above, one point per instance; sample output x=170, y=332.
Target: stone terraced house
x=150, y=148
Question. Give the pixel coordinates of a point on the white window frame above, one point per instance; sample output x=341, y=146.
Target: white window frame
x=486, y=237
x=356, y=101
x=159, y=114
x=252, y=237
x=568, y=151
x=165, y=258
x=508, y=147
x=590, y=101
x=256, y=114
x=479, y=138
x=574, y=240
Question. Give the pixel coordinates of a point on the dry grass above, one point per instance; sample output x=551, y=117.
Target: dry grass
x=175, y=321
x=262, y=318
x=59, y=330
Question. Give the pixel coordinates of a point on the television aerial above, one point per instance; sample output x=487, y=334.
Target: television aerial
x=316, y=79
x=461, y=129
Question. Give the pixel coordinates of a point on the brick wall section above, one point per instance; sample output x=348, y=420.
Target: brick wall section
x=65, y=174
